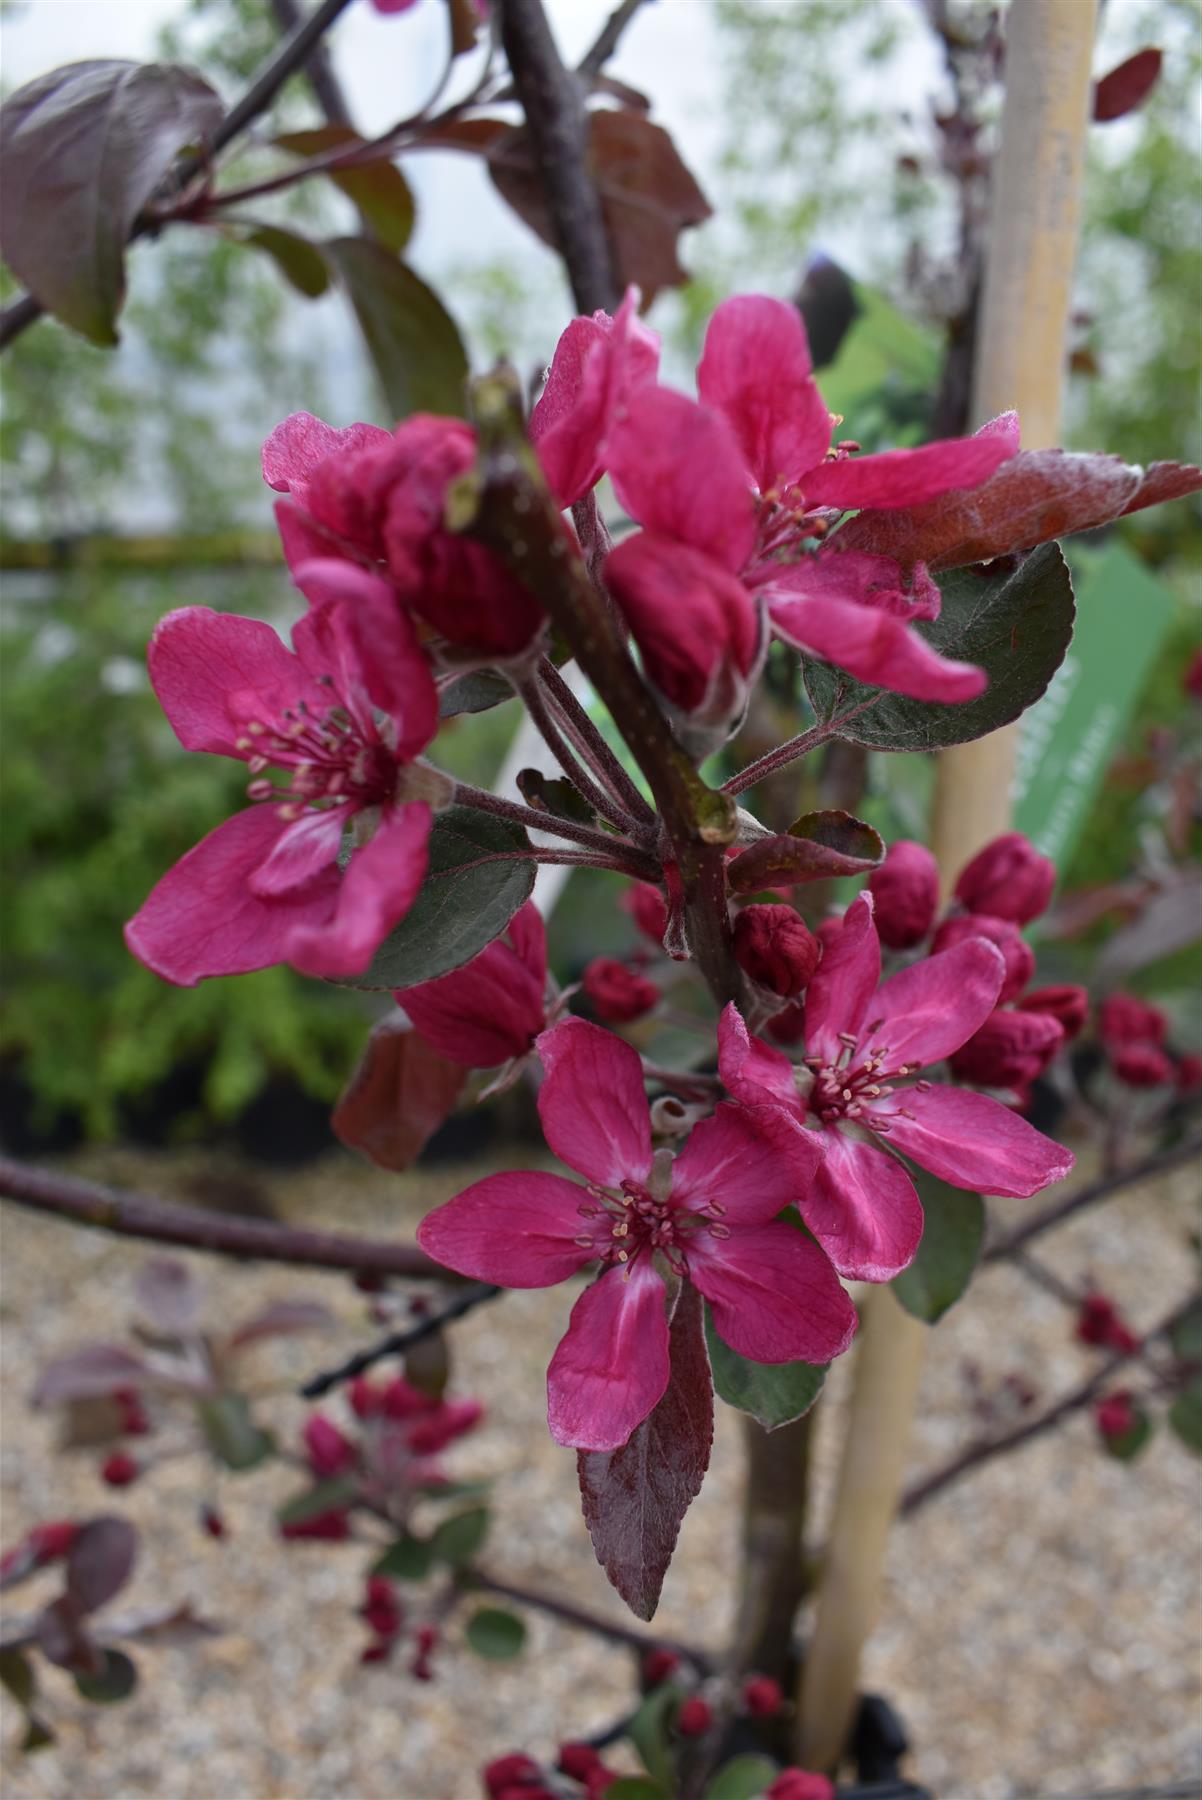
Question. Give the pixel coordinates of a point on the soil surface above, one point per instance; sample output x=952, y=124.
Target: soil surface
x=1040, y=1633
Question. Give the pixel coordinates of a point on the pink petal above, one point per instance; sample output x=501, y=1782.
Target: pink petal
x=908, y=477
x=845, y=980
x=491, y=1009
x=611, y=1367
x=215, y=673
x=303, y=539
x=774, y=1295
x=974, y=1142
x=677, y=469
x=302, y=443
x=376, y=890
x=1005, y=426
x=360, y=635
x=875, y=647
x=752, y=1071
x=755, y=369
x=203, y=919
x=528, y=935
x=689, y=616
x=593, y=1105
x=853, y=575
x=597, y=362
x=517, y=1229
x=299, y=854
x=729, y=1159
x=924, y=1012
x=862, y=1208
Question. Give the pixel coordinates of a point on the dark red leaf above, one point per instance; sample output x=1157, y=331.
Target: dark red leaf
x=91, y=1370
x=635, y=1498
x=1036, y=496
x=62, y=1636
x=100, y=1561
x=378, y=189
x=1126, y=87
x=279, y=1319
x=84, y=148
x=167, y=1296
x=818, y=847
x=398, y=1096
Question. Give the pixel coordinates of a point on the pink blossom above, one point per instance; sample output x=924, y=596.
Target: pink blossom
x=1009, y=879
x=709, y=1214
x=906, y=891
x=598, y=363
x=728, y=493
x=329, y=1451
x=495, y=1006
x=862, y=1041
x=378, y=500
x=1115, y=1415
x=345, y=712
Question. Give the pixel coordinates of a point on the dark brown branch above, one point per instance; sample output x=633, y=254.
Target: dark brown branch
x=571, y=1614
x=1074, y=1203
x=607, y=39
x=398, y=1342
x=984, y=1450
x=319, y=70
x=553, y=102
x=195, y=1228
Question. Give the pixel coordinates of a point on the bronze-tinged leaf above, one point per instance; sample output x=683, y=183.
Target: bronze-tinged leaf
x=635, y=1498
x=1127, y=86
x=1037, y=496
x=100, y=1561
x=378, y=189
x=399, y=1095
x=84, y=148
x=411, y=338
x=298, y=261
x=819, y=847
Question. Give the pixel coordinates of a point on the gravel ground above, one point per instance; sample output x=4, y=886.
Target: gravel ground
x=1040, y=1633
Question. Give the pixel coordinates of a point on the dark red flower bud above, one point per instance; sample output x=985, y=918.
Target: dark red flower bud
x=436, y=1429
x=599, y=1782
x=330, y=1451
x=365, y=1397
x=332, y=1527
x=648, y=908
x=905, y=890
x=1100, y=1323
x=1189, y=1073
x=134, y=1422
x=401, y=1400
x=509, y=1771
x=1115, y=1415
x=213, y=1522
x=1016, y=952
x=658, y=1666
x=1126, y=1019
x=382, y=1617
x=827, y=932
x=1066, y=1002
x=774, y=947
x=800, y=1784
x=1192, y=679
x=1008, y=879
x=1009, y=1050
x=378, y=1651
x=120, y=1469
x=762, y=1697
x=694, y=1717
x=578, y=1760
x=51, y=1541
x=1142, y=1066
x=788, y=1026
x=617, y=994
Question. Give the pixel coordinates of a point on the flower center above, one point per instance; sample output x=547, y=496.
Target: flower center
x=332, y=761
x=626, y=1221
x=846, y=1090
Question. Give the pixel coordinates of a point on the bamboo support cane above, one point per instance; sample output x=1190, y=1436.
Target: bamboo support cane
x=1020, y=361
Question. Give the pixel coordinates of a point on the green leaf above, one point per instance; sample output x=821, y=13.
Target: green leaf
x=17, y=1676
x=455, y=916
x=742, y=1778
x=458, y=1538
x=1185, y=1416
x=476, y=692
x=299, y=262
x=773, y=1393
x=409, y=1559
x=1186, y=1336
x=952, y=1234
x=1016, y=626
x=378, y=189
x=496, y=1634
x=819, y=846
x=635, y=1787
x=555, y=795
x=84, y=148
x=115, y=1680
x=323, y=1497
x=411, y=337
x=648, y=1732
x=231, y=1433
x=1127, y=1448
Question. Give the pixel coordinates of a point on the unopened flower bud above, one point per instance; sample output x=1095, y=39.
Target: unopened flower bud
x=828, y=931
x=762, y=1697
x=378, y=1651
x=659, y=1666
x=1126, y=1019
x=1016, y=952
x=365, y=1397
x=434, y=1430
x=401, y=1400
x=332, y=1527
x=618, y=994
x=648, y=908
x=1142, y=1066
x=329, y=1451
x=788, y=1026
x=1101, y=1324
x=133, y=1419
x=1189, y=1073
x=1008, y=879
x=1009, y=1050
x=775, y=948
x=800, y=1784
x=1115, y=1415
x=906, y=891
x=1192, y=679
x=578, y=1760
x=509, y=1772
x=43, y=1544
x=1066, y=1002
x=694, y=1717
x=213, y=1522
x=119, y=1469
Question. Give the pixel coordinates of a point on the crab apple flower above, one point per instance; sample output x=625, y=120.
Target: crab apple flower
x=707, y=1215
x=1009, y=1050
x=41, y=1545
x=598, y=362
x=1115, y=1416
x=1142, y=1066
x=800, y=1784
x=1126, y=1019
x=774, y=947
x=616, y=993
x=378, y=500
x=862, y=1042
x=1066, y=1002
x=730, y=490
x=1008, y=879
x=328, y=1450
x=1017, y=954
x=905, y=890
x=344, y=713
x=493, y=1008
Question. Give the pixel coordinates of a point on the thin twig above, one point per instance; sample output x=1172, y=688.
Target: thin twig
x=530, y=816
x=534, y=700
x=1056, y=1214
x=607, y=39
x=784, y=754
x=195, y=1228
x=634, y=863
x=397, y=1342
x=572, y=1614
x=586, y=733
